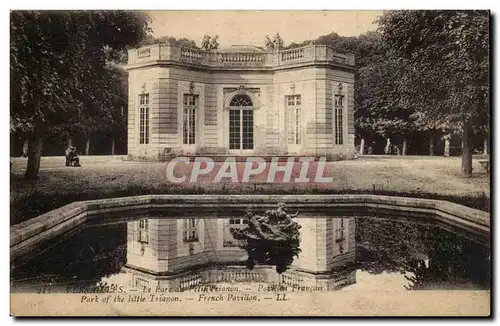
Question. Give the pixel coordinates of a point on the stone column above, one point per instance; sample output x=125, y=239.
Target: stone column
x=362, y=146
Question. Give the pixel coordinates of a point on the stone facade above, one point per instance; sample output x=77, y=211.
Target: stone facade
x=240, y=101
x=183, y=253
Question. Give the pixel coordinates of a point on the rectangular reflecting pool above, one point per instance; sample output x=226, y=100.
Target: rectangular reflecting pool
x=175, y=252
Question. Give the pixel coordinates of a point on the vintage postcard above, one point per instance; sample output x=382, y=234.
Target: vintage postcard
x=250, y=163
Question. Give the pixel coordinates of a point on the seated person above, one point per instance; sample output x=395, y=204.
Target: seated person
x=72, y=158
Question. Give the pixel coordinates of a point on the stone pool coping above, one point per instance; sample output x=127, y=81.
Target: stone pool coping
x=28, y=234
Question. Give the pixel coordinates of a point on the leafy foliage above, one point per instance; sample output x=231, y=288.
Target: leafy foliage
x=58, y=60
x=60, y=68
x=422, y=70
x=446, y=54
x=182, y=42
x=385, y=245
x=447, y=60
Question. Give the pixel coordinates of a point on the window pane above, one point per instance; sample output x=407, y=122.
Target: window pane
x=144, y=118
x=192, y=122
x=247, y=129
x=146, y=126
x=339, y=132
x=189, y=119
x=234, y=129
x=294, y=119
x=241, y=100
x=190, y=231
x=297, y=126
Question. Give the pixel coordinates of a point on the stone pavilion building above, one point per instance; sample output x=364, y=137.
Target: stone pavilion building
x=183, y=253
x=240, y=101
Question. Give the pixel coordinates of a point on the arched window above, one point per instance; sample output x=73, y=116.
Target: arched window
x=241, y=122
x=241, y=100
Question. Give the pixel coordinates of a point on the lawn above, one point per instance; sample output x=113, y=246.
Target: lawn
x=111, y=176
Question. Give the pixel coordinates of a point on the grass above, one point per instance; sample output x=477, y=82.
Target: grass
x=111, y=176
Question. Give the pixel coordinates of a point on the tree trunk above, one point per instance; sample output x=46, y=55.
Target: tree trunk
x=467, y=149
x=447, y=145
x=35, y=146
x=405, y=146
x=362, y=146
x=431, y=144
x=25, y=147
x=70, y=141
x=113, y=146
x=387, y=148
x=87, y=146
x=485, y=149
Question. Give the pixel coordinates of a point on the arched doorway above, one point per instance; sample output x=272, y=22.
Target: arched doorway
x=241, y=123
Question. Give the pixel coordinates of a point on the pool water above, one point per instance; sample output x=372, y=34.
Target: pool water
x=175, y=253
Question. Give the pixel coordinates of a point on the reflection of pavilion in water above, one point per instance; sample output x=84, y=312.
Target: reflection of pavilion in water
x=180, y=254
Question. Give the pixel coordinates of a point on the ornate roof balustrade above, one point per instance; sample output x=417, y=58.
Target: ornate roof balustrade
x=238, y=57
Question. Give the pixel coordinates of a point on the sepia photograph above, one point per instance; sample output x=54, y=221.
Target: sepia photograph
x=301, y=163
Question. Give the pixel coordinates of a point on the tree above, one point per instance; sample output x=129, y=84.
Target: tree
x=294, y=45
x=386, y=245
x=339, y=43
x=59, y=68
x=368, y=56
x=383, y=109
x=379, y=109
x=170, y=40
x=110, y=118
x=447, y=73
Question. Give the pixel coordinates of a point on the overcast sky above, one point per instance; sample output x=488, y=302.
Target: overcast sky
x=250, y=27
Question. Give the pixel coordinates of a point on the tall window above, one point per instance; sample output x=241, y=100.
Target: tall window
x=241, y=122
x=143, y=231
x=339, y=120
x=189, y=120
x=144, y=119
x=190, y=231
x=293, y=103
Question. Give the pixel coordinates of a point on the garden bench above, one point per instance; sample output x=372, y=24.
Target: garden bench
x=485, y=165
